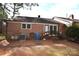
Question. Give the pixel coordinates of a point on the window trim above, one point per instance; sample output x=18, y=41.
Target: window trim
x=26, y=26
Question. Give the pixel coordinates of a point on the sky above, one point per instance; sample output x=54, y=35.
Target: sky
x=51, y=8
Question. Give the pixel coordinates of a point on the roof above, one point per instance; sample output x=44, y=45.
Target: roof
x=34, y=19
x=74, y=20
x=63, y=18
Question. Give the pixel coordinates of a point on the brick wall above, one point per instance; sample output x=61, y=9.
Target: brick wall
x=35, y=28
x=61, y=28
x=15, y=28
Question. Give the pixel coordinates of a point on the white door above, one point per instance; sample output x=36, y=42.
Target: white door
x=46, y=29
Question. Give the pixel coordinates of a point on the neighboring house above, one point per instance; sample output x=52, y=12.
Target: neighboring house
x=27, y=25
x=76, y=22
x=67, y=21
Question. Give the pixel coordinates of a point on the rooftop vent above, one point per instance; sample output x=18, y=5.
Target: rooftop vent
x=71, y=16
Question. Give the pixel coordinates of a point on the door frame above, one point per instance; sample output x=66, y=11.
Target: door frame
x=57, y=25
x=57, y=29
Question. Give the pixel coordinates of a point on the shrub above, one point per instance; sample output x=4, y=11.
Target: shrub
x=72, y=32
x=2, y=34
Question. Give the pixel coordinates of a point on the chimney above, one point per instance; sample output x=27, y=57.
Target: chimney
x=38, y=16
x=71, y=16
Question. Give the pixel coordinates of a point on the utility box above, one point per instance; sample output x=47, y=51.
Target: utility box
x=37, y=36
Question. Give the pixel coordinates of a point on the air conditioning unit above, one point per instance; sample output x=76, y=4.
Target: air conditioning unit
x=14, y=37
x=21, y=37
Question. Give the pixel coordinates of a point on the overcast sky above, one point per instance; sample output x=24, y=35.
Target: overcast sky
x=51, y=8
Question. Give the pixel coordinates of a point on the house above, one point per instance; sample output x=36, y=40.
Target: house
x=27, y=25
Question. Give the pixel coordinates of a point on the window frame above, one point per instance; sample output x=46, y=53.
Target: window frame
x=22, y=26
x=26, y=26
x=30, y=26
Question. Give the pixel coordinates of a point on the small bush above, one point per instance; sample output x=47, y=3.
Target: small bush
x=2, y=34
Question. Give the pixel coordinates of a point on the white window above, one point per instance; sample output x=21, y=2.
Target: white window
x=26, y=26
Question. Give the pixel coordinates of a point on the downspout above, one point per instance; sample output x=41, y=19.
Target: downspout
x=6, y=29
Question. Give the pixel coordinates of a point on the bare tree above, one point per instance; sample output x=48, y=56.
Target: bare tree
x=16, y=6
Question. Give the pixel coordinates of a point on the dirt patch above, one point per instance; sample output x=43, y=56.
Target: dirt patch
x=42, y=48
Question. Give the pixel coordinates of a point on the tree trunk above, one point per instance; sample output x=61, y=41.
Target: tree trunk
x=14, y=10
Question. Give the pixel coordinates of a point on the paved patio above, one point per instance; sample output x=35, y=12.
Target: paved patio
x=51, y=47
